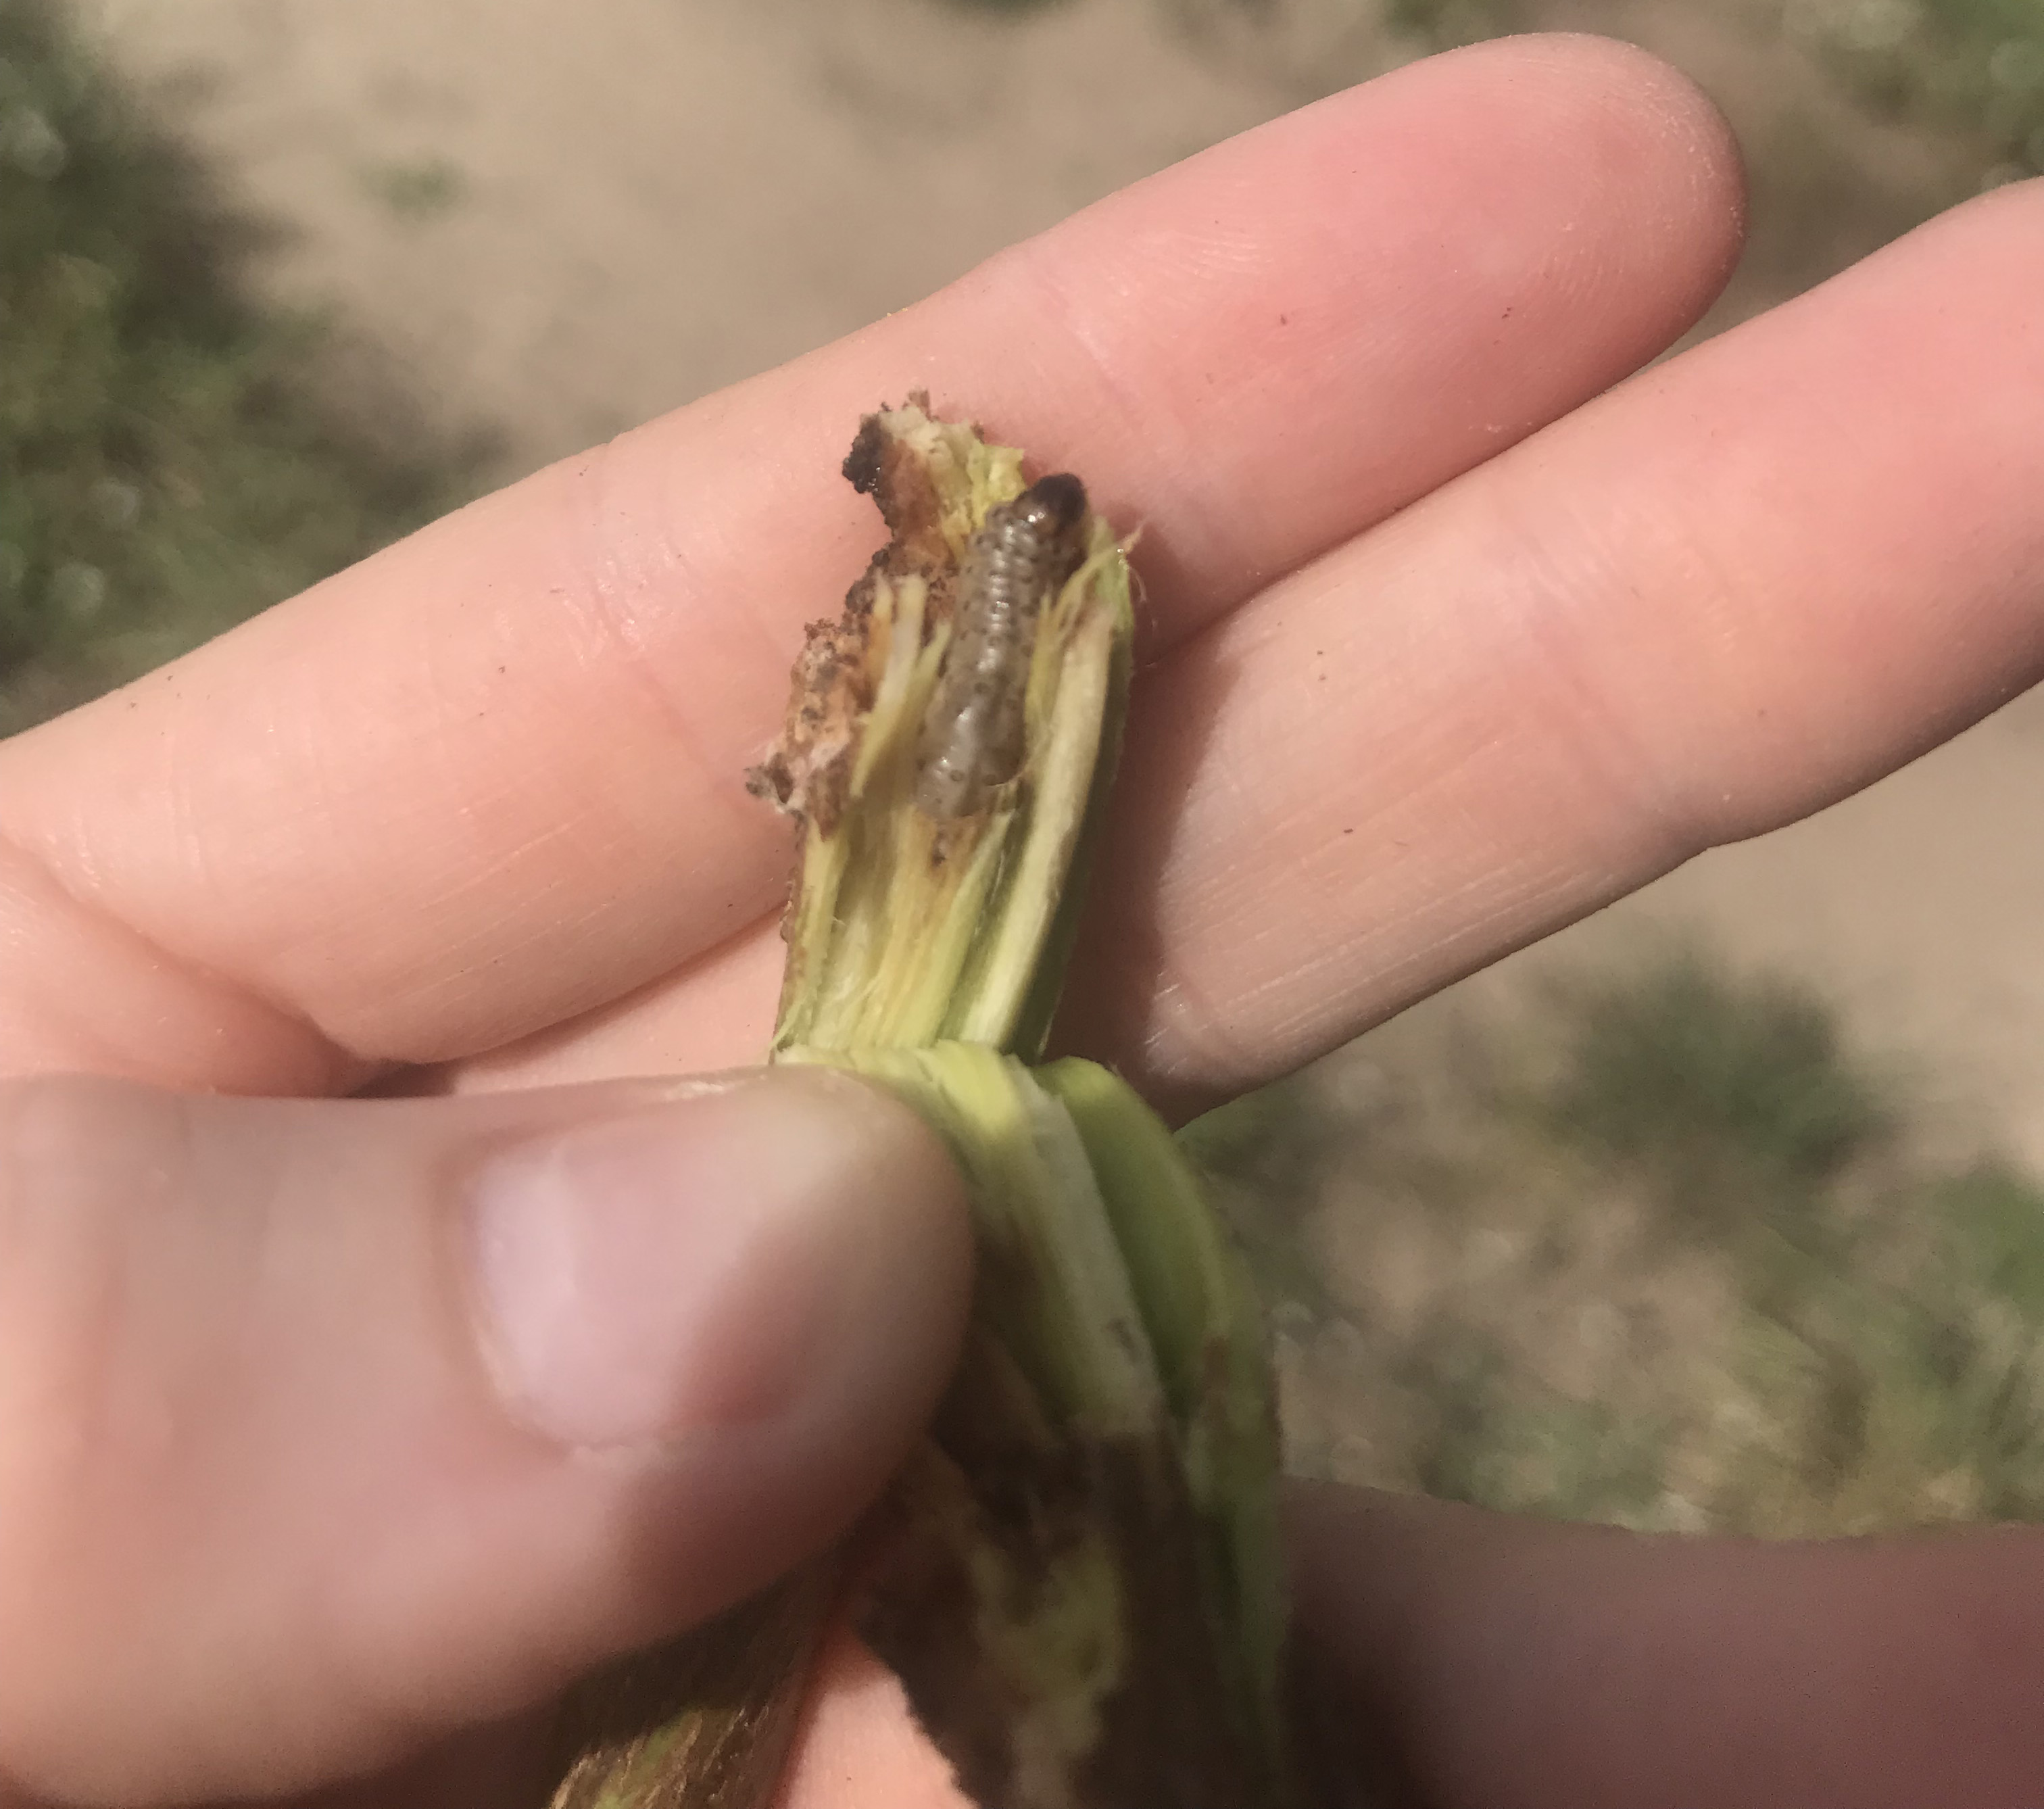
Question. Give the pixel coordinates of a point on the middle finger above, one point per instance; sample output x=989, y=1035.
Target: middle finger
x=499, y=780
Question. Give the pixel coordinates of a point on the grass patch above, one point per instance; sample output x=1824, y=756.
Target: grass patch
x=1673, y=1262
x=417, y=189
x=1717, y=1096
x=167, y=467
x=1971, y=67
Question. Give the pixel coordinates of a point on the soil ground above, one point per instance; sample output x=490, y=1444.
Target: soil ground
x=560, y=217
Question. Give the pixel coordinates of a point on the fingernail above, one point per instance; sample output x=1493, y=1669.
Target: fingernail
x=685, y=1267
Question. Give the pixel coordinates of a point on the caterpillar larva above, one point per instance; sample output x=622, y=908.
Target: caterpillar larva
x=974, y=731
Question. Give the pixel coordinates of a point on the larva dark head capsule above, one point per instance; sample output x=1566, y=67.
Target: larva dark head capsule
x=1053, y=506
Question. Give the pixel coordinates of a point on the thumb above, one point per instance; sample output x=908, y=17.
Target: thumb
x=327, y=1427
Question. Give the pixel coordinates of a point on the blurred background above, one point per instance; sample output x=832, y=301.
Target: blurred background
x=1720, y=1210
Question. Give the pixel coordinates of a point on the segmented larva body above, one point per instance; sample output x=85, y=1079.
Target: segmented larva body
x=973, y=732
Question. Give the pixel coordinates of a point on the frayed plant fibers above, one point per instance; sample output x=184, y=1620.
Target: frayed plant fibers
x=1078, y=1576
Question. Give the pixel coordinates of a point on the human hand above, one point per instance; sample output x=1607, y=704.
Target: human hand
x=1448, y=647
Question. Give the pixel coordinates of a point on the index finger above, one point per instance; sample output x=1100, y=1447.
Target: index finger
x=492, y=778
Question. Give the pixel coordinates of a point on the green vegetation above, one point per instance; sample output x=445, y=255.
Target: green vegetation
x=1972, y=67
x=167, y=465
x=1975, y=67
x=1721, y=1098
x=1688, y=1269
x=420, y=189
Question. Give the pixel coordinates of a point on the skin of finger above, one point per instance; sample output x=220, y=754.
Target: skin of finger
x=83, y=993
x=1530, y=1662
x=714, y=1012
x=255, y=1488
x=1733, y=590
x=859, y=1746
x=499, y=782
x=1724, y=595
x=1867, y=455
